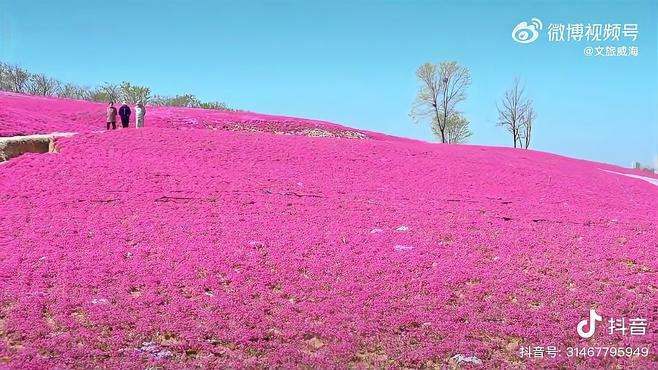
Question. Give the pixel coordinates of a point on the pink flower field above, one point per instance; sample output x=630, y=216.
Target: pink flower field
x=235, y=239
x=24, y=115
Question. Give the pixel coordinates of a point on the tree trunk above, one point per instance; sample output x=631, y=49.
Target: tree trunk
x=442, y=129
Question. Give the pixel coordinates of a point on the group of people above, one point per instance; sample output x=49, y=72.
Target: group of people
x=124, y=113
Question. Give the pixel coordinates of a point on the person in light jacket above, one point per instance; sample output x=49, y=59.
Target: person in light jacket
x=140, y=112
x=111, y=116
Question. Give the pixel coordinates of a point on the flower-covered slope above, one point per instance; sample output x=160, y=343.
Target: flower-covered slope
x=201, y=247
x=25, y=114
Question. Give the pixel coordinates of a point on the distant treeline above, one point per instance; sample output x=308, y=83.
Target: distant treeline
x=16, y=79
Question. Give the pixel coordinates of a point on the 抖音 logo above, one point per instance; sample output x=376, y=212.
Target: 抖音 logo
x=590, y=323
x=525, y=33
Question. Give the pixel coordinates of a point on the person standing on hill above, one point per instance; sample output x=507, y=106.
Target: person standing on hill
x=140, y=112
x=124, y=113
x=111, y=116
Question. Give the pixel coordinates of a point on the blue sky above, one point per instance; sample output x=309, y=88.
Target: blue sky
x=353, y=62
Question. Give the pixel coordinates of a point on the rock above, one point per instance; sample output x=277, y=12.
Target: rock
x=154, y=350
x=459, y=358
x=14, y=146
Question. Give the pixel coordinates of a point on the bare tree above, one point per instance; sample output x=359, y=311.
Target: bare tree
x=443, y=86
x=40, y=84
x=15, y=79
x=185, y=100
x=516, y=114
x=133, y=93
x=73, y=91
x=4, y=76
x=526, y=124
x=105, y=93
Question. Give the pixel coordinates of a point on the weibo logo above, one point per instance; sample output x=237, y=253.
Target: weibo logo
x=525, y=33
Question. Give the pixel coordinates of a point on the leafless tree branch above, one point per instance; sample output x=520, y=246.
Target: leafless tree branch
x=516, y=114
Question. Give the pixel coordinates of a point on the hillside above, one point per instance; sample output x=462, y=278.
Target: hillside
x=24, y=114
x=207, y=239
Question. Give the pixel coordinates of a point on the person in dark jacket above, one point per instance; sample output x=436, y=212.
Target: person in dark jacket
x=124, y=113
x=111, y=116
